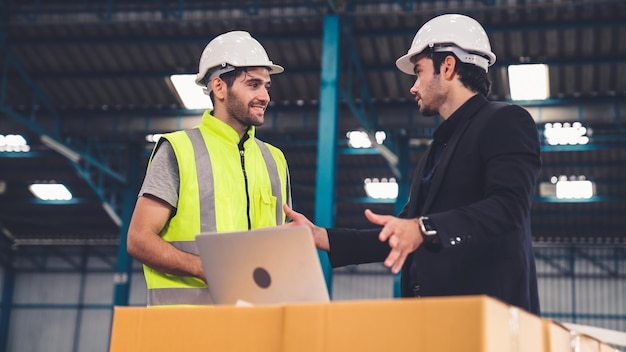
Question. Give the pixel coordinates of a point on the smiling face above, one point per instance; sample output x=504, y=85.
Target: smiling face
x=428, y=88
x=244, y=102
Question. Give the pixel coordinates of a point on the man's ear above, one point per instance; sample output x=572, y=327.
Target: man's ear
x=448, y=67
x=219, y=88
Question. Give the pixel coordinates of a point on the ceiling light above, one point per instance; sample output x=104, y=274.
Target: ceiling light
x=360, y=139
x=576, y=187
x=529, y=82
x=13, y=143
x=381, y=189
x=380, y=136
x=565, y=133
x=50, y=191
x=153, y=138
x=191, y=95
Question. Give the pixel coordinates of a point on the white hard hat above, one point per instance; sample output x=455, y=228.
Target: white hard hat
x=230, y=50
x=459, y=34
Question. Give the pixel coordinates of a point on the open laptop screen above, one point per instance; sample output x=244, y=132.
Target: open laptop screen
x=265, y=266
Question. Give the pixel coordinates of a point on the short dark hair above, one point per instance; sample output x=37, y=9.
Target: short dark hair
x=228, y=78
x=473, y=77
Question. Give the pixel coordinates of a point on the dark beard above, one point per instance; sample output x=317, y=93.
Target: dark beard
x=239, y=110
x=429, y=112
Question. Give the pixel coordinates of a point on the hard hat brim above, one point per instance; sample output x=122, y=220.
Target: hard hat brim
x=405, y=64
x=273, y=69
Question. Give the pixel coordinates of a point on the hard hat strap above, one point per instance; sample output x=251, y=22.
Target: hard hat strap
x=216, y=73
x=220, y=71
x=464, y=56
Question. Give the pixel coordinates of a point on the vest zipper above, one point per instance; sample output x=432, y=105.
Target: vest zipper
x=245, y=179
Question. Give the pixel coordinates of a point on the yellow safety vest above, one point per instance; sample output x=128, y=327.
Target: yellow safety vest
x=215, y=195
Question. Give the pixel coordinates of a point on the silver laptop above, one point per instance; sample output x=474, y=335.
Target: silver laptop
x=265, y=266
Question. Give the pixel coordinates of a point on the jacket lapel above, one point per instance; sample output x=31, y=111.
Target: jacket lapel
x=410, y=210
x=448, y=152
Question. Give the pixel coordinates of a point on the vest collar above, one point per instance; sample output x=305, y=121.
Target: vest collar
x=221, y=129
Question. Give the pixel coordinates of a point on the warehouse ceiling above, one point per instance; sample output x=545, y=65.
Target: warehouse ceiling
x=91, y=77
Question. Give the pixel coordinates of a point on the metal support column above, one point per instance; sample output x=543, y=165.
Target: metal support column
x=8, y=287
x=327, y=132
x=123, y=271
x=403, y=151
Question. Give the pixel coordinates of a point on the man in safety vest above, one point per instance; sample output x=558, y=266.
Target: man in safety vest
x=214, y=177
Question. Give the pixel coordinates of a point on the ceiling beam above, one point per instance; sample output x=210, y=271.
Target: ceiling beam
x=14, y=41
x=314, y=70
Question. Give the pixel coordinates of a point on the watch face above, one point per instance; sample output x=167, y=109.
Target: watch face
x=427, y=227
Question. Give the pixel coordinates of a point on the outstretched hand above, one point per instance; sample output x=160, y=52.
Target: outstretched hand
x=320, y=236
x=403, y=235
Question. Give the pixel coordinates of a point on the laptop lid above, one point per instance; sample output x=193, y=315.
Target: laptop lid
x=265, y=266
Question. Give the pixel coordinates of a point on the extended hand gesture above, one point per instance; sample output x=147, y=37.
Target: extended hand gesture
x=404, y=237
x=320, y=236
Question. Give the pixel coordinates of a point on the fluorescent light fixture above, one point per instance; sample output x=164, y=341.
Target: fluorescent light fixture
x=360, y=139
x=529, y=82
x=576, y=187
x=191, y=95
x=565, y=133
x=547, y=189
x=50, y=191
x=153, y=138
x=381, y=189
x=13, y=143
x=60, y=148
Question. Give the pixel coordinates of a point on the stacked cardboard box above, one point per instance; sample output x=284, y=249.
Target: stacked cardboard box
x=428, y=324
x=443, y=324
x=564, y=338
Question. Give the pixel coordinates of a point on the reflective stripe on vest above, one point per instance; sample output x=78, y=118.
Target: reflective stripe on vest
x=177, y=295
x=196, y=295
x=205, y=182
x=274, y=179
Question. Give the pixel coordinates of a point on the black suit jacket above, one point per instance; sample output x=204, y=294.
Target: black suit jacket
x=479, y=201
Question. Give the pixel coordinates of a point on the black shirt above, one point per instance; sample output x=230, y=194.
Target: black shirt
x=440, y=140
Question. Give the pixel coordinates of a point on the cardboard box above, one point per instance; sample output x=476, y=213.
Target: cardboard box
x=607, y=348
x=530, y=335
x=469, y=324
x=586, y=343
x=557, y=338
x=197, y=328
x=600, y=335
x=561, y=337
x=445, y=324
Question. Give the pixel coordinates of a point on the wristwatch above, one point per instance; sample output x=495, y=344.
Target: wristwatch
x=428, y=230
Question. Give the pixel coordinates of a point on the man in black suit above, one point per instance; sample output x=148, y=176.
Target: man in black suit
x=465, y=229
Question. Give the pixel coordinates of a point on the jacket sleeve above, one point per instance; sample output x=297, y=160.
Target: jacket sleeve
x=352, y=246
